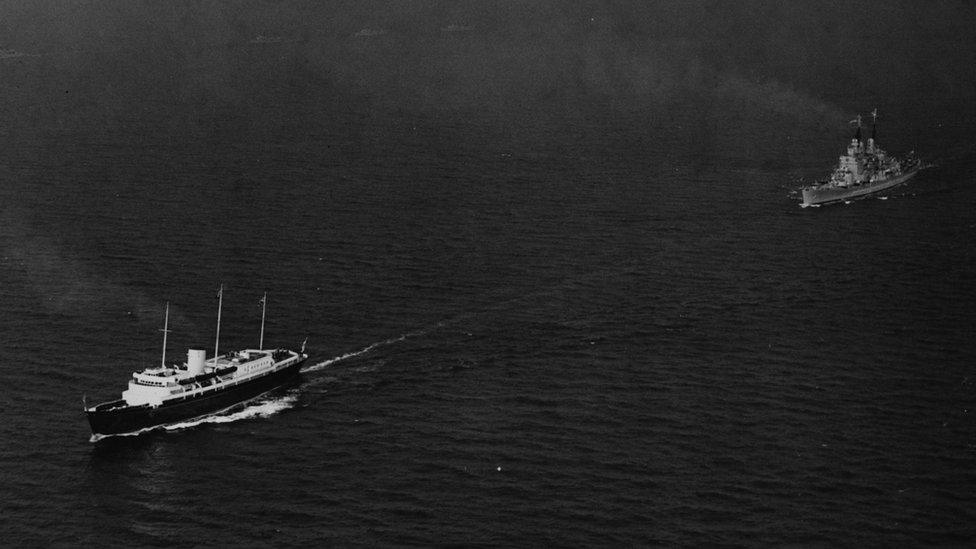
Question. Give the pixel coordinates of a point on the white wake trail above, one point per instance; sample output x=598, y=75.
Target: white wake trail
x=363, y=351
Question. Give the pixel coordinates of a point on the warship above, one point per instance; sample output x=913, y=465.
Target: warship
x=866, y=169
x=200, y=387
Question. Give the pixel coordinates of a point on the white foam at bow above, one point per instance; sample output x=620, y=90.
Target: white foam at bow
x=257, y=408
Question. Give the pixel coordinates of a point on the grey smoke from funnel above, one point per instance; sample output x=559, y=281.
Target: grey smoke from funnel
x=634, y=55
x=178, y=67
x=547, y=55
x=790, y=58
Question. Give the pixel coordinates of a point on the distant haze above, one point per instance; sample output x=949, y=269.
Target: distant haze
x=788, y=57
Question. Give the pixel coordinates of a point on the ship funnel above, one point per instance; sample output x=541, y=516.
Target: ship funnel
x=195, y=359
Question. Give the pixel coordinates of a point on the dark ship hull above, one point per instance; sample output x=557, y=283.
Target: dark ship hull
x=815, y=196
x=115, y=417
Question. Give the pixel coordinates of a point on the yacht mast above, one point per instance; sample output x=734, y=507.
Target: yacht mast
x=165, y=331
x=264, y=307
x=220, y=304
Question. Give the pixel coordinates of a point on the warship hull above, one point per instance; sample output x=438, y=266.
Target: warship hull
x=816, y=196
x=116, y=418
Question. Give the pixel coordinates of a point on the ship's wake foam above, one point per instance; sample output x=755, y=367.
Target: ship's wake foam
x=365, y=350
x=261, y=407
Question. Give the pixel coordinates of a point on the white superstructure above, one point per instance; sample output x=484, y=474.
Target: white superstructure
x=153, y=386
x=196, y=376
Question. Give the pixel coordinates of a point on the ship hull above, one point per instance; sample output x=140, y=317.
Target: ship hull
x=816, y=196
x=109, y=419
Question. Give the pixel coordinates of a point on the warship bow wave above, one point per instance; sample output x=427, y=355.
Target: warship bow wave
x=170, y=394
x=866, y=169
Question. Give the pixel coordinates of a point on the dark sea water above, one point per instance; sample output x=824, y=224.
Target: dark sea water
x=555, y=283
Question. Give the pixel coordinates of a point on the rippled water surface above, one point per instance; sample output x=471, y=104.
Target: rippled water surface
x=535, y=317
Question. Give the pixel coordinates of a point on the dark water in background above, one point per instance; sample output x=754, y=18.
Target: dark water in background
x=556, y=288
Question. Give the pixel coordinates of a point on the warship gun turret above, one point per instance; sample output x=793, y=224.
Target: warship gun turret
x=866, y=169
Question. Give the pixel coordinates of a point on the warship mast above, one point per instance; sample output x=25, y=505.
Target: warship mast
x=874, y=130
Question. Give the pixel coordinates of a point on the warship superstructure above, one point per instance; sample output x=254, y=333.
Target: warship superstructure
x=168, y=394
x=866, y=169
